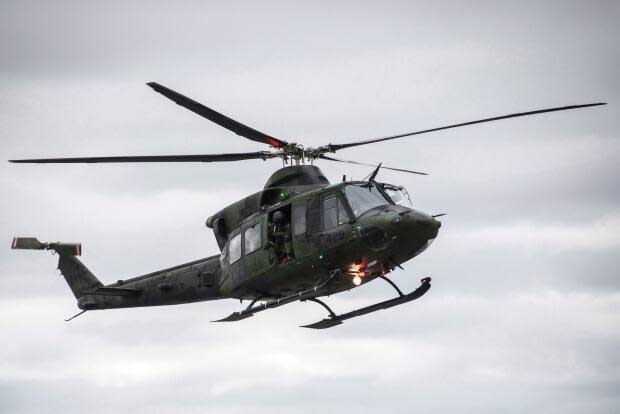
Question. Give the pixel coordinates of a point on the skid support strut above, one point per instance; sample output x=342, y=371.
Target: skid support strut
x=323, y=304
x=394, y=284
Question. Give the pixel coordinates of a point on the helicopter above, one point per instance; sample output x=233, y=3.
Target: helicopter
x=300, y=238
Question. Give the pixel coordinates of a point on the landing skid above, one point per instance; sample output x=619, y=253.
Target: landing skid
x=301, y=296
x=333, y=319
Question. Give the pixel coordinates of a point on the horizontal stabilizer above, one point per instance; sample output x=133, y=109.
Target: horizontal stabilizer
x=32, y=243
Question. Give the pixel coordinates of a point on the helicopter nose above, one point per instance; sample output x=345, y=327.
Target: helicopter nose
x=423, y=224
x=420, y=229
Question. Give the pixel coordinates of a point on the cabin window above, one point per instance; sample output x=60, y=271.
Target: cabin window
x=234, y=248
x=299, y=219
x=334, y=213
x=252, y=238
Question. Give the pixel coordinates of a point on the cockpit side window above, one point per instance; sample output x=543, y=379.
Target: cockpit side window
x=334, y=212
x=330, y=212
x=343, y=216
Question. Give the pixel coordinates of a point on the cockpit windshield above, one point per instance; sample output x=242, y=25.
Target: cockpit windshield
x=398, y=195
x=364, y=197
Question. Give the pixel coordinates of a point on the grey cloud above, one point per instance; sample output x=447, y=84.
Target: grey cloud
x=517, y=323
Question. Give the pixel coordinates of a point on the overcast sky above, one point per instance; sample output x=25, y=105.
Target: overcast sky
x=523, y=315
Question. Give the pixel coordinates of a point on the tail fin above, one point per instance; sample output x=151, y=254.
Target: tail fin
x=78, y=277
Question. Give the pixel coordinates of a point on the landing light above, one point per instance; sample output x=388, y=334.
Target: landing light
x=357, y=280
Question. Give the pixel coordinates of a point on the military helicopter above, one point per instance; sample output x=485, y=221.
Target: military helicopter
x=298, y=239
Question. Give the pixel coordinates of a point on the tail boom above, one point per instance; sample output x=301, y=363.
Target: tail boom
x=189, y=282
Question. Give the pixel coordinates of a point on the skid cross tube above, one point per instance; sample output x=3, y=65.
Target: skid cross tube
x=320, y=302
x=393, y=285
x=256, y=299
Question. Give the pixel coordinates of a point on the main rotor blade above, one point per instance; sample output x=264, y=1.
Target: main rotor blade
x=154, y=158
x=325, y=157
x=336, y=147
x=220, y=119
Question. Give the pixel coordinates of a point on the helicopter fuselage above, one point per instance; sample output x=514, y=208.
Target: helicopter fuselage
x=353, y=228
x=328, y=231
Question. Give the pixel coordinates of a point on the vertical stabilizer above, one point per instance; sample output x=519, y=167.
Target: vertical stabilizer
x=78, y=277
